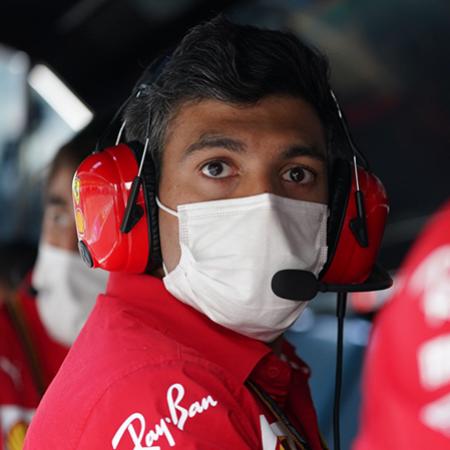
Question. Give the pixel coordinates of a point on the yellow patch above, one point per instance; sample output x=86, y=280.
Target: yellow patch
x=16, y=436
x=76, y=190
x=282, y=443
x=79, y=222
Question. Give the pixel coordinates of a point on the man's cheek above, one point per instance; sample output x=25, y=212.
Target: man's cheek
x=170, y=246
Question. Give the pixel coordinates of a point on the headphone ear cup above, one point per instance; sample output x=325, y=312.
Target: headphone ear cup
x=101, y=187
x=348, y=261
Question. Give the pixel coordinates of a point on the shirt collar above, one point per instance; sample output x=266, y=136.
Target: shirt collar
x=236, y=353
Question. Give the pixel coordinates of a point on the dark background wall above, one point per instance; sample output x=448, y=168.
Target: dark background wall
x=389, y=60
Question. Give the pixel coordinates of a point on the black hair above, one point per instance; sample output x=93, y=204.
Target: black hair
x=237, y=64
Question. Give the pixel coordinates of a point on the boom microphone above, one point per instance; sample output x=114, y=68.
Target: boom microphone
x=301, y=285
x=298, y=285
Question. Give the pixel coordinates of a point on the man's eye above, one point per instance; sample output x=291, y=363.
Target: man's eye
x=298, y=175
x=216, y=169
x=59, y=219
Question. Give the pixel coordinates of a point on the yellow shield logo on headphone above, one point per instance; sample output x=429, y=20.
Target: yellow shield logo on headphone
x=79, y=222
x=76, y=190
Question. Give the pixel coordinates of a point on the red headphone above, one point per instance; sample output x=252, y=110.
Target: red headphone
x=355, y=226
x=117, y=217
x=103, y=185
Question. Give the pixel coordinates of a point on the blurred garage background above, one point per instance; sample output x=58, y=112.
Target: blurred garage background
x=64, y=61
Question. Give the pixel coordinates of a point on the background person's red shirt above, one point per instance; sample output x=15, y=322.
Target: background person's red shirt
x=20, y=385
x=407, y=372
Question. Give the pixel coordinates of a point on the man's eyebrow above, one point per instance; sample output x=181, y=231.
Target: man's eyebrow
x=55, y=200
x=299, y=150
x=216, y=141
x=210, y=141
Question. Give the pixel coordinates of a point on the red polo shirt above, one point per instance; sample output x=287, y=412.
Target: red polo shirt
x=149, y=372
x=20, y=385
x=407, y=371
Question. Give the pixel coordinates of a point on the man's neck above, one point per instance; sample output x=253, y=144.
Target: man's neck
x=277, y=345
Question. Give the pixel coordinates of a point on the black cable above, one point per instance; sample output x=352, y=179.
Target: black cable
x=279, y=414
x=340, y=313
x=348, y=136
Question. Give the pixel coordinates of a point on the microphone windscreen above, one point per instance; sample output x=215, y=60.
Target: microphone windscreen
x=298, y=285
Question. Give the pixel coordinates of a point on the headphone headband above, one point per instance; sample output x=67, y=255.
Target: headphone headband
x=117, y=216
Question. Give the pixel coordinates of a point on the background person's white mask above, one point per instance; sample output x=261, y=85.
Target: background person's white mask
x=230, y=250
x=67, y=290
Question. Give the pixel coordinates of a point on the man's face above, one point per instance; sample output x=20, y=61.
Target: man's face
x=215, y=150
x=58, y=226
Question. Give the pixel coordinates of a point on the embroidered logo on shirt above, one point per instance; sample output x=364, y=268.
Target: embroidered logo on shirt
x=436, y=415
x=434, y=362
x=144, y=437
x=432, y=278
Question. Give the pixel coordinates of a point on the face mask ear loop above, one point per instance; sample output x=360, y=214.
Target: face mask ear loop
x=165, y=208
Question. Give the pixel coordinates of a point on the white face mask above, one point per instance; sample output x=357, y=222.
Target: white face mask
x=230, y=250
x=67, y=290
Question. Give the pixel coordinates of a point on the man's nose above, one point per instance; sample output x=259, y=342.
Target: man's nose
x=259, y=183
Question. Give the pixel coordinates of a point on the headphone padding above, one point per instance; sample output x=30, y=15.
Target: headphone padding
x=150, y=189
x=340, y=187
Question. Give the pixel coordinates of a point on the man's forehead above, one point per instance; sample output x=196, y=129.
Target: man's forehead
x=209, y=123
x=268, y=105
x=59, y=188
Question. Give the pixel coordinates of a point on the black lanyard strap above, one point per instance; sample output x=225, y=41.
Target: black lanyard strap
x=265, y=398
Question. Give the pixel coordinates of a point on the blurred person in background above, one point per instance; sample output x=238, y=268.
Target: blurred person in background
x=406, y=389
x=39, y=321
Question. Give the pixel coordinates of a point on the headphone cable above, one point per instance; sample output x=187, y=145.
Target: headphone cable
x=340, y=313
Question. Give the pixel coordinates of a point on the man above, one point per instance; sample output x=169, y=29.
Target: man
x=37, y=328
x=407, y=373
x=239, y=122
